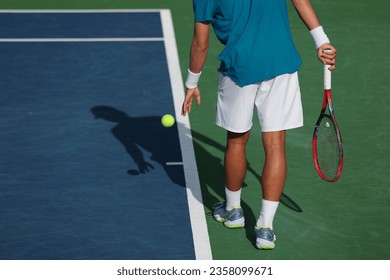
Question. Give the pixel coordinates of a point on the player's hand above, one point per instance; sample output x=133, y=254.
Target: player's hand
x=144, y=167
x=187, y=104
x=328, y=57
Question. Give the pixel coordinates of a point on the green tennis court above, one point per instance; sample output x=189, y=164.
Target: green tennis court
x=346, y=220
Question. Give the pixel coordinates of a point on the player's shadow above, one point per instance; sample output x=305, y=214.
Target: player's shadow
x=146, y=133
x=140, y=134
x=211, y=173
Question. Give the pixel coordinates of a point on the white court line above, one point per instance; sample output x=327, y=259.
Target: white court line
x=65, y=11
x=174, y=163
x=65, y=40
x=194, y=195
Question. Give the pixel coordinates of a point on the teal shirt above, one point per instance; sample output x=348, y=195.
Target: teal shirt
x=256, y=35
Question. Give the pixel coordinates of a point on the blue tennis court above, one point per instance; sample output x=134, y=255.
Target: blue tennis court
x=86, y=169
x=88, y=173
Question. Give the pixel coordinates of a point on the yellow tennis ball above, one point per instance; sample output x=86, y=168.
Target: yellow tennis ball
x=167, y=120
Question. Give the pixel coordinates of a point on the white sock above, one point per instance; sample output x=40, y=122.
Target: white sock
x=267, y=213
x=233, y=199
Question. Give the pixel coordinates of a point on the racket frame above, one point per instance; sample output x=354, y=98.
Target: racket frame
x=327, y=104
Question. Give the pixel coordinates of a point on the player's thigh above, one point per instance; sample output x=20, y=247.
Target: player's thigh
x=279, y=104
x=235, y=105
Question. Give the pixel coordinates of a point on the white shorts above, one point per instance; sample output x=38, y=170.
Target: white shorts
x=278, y=104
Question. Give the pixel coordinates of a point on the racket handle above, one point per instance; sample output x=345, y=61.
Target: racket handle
x=327, y=74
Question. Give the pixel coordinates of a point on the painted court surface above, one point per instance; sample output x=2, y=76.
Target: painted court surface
x=88, y=172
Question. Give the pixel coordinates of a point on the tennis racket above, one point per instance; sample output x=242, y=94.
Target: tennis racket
x=327, y=144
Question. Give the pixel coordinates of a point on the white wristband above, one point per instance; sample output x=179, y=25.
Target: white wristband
x=319, y=36
x=192, y=79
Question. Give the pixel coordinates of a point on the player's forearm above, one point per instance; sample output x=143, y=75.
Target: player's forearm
x=198, y=55
x=306, y=13
x=199, y=47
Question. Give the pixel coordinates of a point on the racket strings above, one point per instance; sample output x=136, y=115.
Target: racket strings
x=327, y=149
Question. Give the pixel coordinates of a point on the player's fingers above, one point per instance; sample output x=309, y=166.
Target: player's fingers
x=184, y=108
x=327, y=51
x=320, y=55
x=186, y=103
x=198, y=100
x=330, y=61
x=327, y=59
x=189, y=102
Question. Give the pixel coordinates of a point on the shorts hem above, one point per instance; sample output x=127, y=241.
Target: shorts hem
x=232, y=129
x=287, y=127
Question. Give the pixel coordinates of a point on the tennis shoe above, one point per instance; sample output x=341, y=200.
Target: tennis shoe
x=230, y=218
x=265, y=238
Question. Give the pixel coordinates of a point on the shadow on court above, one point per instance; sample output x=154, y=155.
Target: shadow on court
x=212, y=168
x=144, y=133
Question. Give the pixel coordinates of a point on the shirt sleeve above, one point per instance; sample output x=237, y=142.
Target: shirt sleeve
x=203, y=10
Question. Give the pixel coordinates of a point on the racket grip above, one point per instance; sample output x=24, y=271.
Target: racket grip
x=327, y=75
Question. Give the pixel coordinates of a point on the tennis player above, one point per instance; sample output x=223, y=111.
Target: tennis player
x=259, y=65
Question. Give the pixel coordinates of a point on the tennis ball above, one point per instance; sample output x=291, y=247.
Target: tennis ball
x=167, y=120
